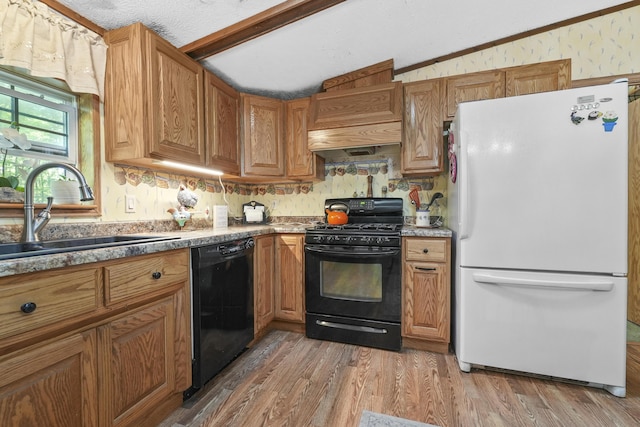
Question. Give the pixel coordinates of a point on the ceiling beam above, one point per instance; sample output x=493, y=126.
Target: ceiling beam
x=255, y=26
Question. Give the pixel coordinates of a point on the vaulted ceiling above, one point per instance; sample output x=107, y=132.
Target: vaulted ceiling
x=327, y=38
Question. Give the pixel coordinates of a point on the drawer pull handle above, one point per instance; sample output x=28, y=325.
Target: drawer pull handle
x=425, y=251
x=156, y=275
x=28, y=307
x=426, y=268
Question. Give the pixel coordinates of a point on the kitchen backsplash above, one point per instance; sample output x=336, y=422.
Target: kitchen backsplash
x=345, y=176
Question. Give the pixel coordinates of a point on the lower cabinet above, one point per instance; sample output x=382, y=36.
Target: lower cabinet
x=54, y=384
x=120, y=364
x=426, y=293
x=136, y=355
x=289, y=291
x=263, y=281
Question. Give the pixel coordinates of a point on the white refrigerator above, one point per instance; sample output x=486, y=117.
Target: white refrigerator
x=537, y=202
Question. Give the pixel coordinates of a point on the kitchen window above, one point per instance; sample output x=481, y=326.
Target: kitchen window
x=61, y=126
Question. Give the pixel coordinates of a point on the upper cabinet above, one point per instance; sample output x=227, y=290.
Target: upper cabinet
x=222, y=103
x=153, y=100
x=422, y=150
x=358, y=117
x=262, y=136
x=472, y=87
x=301, y=163
x=534, y=78
x=429, y=103
x=520, y=80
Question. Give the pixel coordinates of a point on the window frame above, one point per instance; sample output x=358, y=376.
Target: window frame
x=69, y=107
x=89, y=158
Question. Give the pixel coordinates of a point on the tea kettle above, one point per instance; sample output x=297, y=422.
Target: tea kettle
x=337, y=217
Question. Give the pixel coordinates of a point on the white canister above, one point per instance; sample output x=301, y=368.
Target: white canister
x=422, y=218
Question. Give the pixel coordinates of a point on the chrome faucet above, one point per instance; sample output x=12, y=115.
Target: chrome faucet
x=33, y=225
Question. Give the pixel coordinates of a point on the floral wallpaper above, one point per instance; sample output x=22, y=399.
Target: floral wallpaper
x=602, y=46
x=156, y=191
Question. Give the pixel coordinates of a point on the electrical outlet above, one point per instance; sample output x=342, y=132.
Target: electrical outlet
x=129, y=203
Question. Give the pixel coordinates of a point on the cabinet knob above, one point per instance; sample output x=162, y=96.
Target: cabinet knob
x=156, y=275
x=425, y=251
x=426, y=268
x=28, y=307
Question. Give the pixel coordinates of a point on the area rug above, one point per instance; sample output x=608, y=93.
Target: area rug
x=633, y=332
x=373, y=419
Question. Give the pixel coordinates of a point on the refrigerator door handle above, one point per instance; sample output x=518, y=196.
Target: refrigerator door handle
x=575, y=285
x=464, y=190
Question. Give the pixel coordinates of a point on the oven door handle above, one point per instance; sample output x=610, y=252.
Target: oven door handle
x=335, y=250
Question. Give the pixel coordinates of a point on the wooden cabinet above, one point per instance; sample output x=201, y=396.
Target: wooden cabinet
x=222, y=104
x=422, y=144
x=153, y=100
x=535, y=78
x=359, y=117
x=472, y=87
x=289, y=291
x=520, y=80
x=301, y=163
x=426, y=293
x=34, y=301
x=263, y=282
x=429, y=103
x=53, y=384
x=262, y=136
x=136, y=357
x=123, y=359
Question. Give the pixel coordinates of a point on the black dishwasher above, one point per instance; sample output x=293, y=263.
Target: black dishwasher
x=222, y=288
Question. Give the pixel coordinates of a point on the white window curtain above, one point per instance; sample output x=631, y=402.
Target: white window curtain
x=47, y=44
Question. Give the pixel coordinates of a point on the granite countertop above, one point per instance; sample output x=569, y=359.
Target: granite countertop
x=187, y=238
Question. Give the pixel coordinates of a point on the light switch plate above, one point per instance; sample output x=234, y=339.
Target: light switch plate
x=129, y=203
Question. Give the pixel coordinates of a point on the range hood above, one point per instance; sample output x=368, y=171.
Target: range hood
x=355, y=118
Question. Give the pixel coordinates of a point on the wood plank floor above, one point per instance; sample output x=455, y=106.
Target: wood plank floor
x=287, y=379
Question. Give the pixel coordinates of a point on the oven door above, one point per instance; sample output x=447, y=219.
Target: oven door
x=359, y=282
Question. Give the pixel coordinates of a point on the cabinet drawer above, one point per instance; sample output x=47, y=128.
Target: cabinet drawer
x=57, y=295
x=426, y=250
x=144, y=275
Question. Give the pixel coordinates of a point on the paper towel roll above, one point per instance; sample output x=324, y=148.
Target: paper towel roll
x=253, y=215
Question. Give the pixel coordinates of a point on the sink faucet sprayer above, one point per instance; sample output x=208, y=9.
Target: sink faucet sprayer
x=33, y=225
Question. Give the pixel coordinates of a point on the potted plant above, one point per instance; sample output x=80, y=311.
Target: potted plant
x=10, y=190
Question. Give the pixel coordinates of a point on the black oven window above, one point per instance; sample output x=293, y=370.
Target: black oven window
x=351, y=281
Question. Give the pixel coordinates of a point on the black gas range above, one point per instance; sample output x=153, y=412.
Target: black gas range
x=353, y=274
x=372, y=221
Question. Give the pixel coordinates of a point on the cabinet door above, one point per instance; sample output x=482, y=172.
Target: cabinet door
x=221, y=125
x=176, y=103
x=263, y=281
x=542, y=77
x=53, y=385
x=137, y=361
x=422, y=143
x=125, y=103
x=426, y=301
x=359, y=106
x=472, y=87
x=301, y=163
x=290, y=278
x=262, y=136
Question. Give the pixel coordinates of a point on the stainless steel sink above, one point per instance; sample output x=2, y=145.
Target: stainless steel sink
x=20, y=250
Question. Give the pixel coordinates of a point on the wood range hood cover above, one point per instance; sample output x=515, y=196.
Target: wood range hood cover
x=359, y=117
